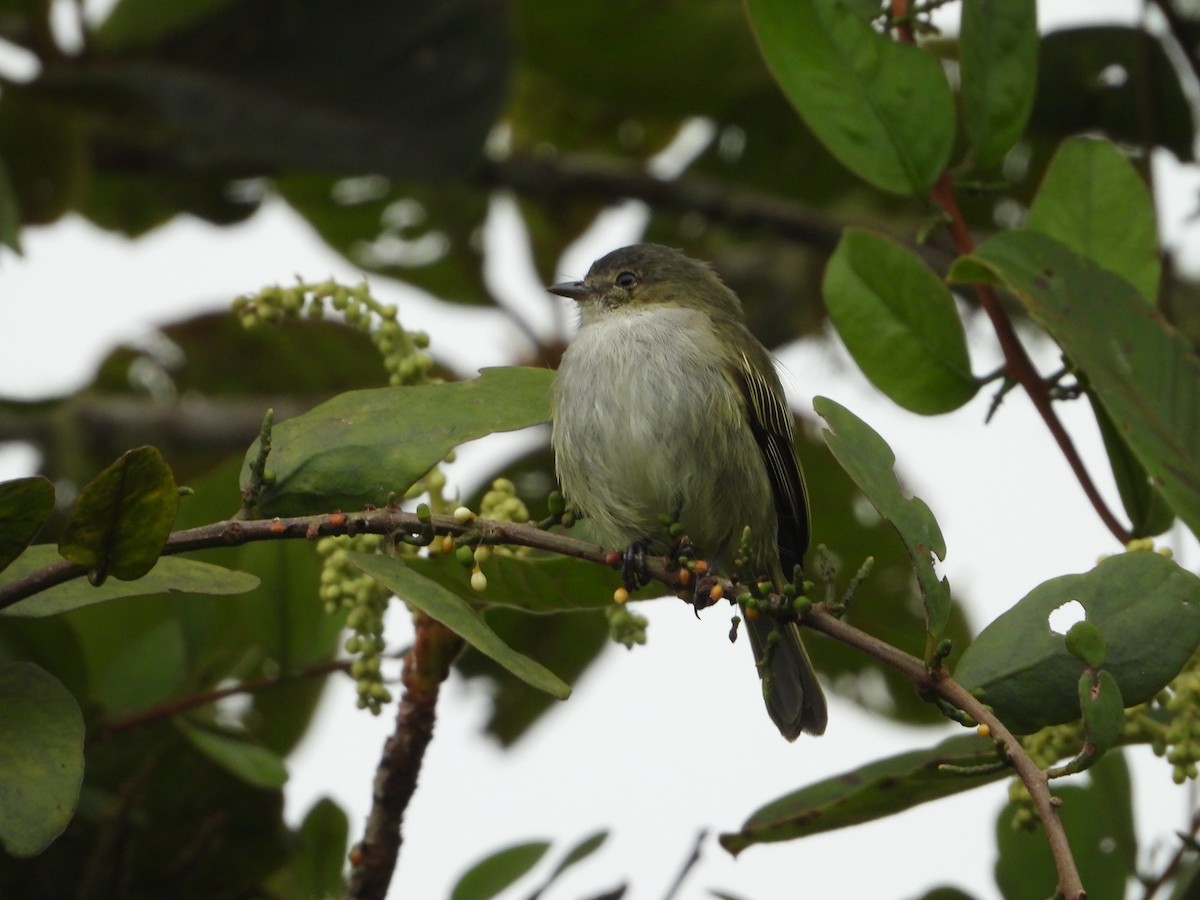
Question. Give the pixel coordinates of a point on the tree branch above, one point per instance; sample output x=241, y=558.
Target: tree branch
x=426, y=665
x=388, y=522
x=940, y=683
x=605, y=179
x=428, y=661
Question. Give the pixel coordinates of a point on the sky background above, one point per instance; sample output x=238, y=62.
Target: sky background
x=671, y=738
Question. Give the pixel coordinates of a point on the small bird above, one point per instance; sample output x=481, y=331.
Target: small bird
x=666, y=404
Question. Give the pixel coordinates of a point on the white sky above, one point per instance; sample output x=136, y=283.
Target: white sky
x=660, y=742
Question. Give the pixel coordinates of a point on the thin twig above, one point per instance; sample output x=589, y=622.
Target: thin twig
x=688, y=865
x=1187, y=842
x=1019, y=366
x=203, y=698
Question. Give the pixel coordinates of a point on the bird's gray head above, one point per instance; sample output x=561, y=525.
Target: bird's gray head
x=651, y=274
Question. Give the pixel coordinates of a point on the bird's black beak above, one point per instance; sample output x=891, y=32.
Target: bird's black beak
x=575, y=290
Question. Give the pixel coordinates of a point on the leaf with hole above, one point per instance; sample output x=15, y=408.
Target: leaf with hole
x=1146, y=608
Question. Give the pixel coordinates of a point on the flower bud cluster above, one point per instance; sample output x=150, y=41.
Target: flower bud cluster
x=404, y=352
x=344, y=586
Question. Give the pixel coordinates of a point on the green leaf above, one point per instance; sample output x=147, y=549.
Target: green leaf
x=868, y=460
x=873, y=791
x=1084, y=641
x=575, y=855
x=315, y=870
x=899, y=323
x=1103, y=715
x=1146, y=608
x=457, y=615
x=1148, y=513
x=1076, y=95
x=1093, y=201
x=122, y=518
x=490, y=876
x=25, y=504
x=253, y=764
x=41, y=757
x=170, y=573
x=882, y=108
x=363, y=446
x=998, y=43
x=1098, y=820
x=1144, y=372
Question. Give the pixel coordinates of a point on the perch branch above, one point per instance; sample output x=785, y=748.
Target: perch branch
x=396, y=777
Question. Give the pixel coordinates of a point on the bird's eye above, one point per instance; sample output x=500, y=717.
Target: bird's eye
x=626, y=280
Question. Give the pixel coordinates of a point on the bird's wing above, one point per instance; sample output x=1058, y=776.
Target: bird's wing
x=771, y=423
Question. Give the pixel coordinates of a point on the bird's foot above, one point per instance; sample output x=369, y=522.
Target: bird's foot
x=633, y=565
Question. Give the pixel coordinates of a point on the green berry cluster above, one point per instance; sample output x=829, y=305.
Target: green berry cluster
x=343, y=586
x=403, y=351
x=502, y=504
x=625, y=627
x=1170, y=723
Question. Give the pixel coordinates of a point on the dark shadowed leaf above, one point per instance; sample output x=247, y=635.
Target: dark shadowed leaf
x=223, y=91
x=1148, y=513
x=540, y=584
x=1077, y=92
x=1146, y=608
x=25, y=504
x=315, y=871
x=566, y=644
